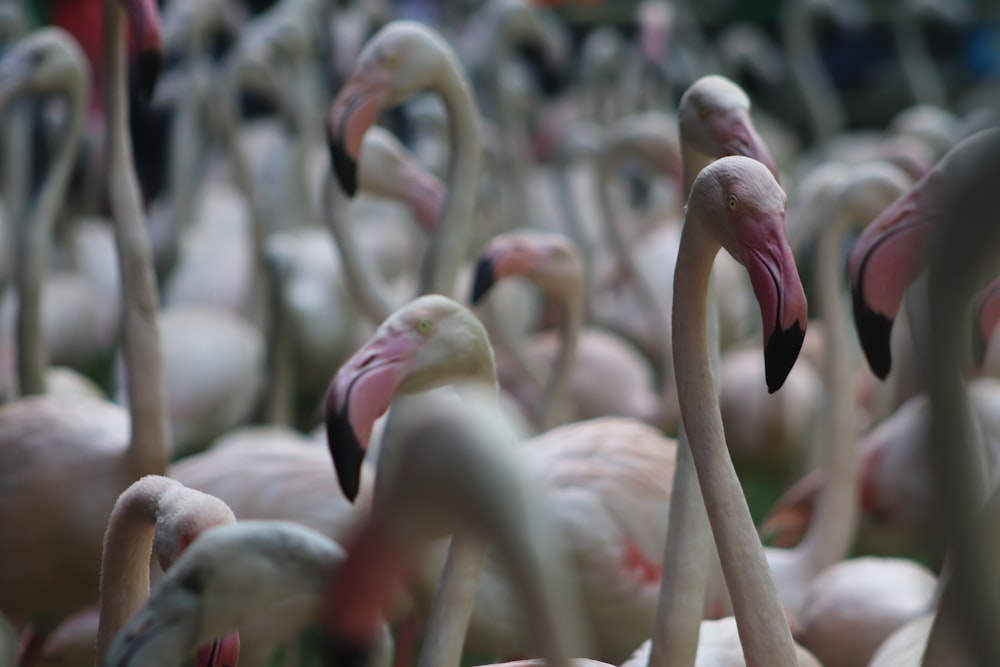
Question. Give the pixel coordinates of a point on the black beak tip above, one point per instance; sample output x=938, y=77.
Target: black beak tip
x=344, y=167
x=780, y=353
x=342, y=653
x=346, y=452
x=148, y=72
x=483, y=280
x=875, y=334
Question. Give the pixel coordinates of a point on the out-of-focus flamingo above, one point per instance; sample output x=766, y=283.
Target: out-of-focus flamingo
x=607, y=480
x=59, y=450
x=155, y=515
x=225, y=579
x=467, y=453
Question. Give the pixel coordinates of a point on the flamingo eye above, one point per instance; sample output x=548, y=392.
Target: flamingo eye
x=733, y=202
x=390, y=58
x=424, y=326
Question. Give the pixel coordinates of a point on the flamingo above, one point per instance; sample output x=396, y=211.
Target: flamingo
x=468, y=456
x=59, y=450
x=736, y=203
x=224, y=579
x=612, y=513
x=154, y=514
x=48, y=61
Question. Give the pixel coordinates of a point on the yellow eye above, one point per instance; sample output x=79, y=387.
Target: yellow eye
x=390, y=58
x=733, y=202
x=424, y=326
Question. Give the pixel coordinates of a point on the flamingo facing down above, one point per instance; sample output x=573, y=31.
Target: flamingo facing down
x=162, y=515
x=225, y=578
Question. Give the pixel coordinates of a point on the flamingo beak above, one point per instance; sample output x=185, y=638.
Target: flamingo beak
x=361, y=392
x=499, y=261
x=223, y=652
x=144, y=17
x=353, y=112
x=782, y=300
x=885, y=260
x=484, y=280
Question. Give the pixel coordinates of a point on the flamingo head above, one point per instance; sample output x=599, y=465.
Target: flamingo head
x=714, y=119
x=144, y=20
x=744, y=206
x=548, y=260
x=422, y=345
x=398, y=61
x=46, y=61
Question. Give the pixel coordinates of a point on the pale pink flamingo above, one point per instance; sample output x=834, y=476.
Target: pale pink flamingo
x=575, y=354
x=468, y=453
x=400, y=60
x=606, y=480
x=59, y=450
x=46, y=62
x=154, y=515
x=736, y=203
x=224, y=580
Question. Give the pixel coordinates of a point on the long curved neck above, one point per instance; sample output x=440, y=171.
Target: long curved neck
x=149, y=448
x=35, y=238
x=128, y=544
x=763, y=629
x=366, y=286
x=557, y=399
x=447, y=248
x=829, y=536
x=819, y=96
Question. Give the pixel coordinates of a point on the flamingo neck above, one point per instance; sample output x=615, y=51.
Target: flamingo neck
x=763, y=628
x=128, y=544
x=35, y=239
x=830, y=534
x=365, y=285
x=149, y=449
x=557, y=400
x=447, y=248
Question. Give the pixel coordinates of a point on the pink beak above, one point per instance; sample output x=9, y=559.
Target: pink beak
x=361, y=392
x=223, y=652
x=783, y=308
x=885, y=260
x=355, y=110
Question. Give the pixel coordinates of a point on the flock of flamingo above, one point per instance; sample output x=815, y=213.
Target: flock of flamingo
x=541, y=402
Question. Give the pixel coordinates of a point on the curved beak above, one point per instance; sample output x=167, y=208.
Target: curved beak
x=361, y=392
x=144, y=19
x=353, y=112
x=485, y=277
x=885, y=260
x=783, y=308
x=223, y=652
